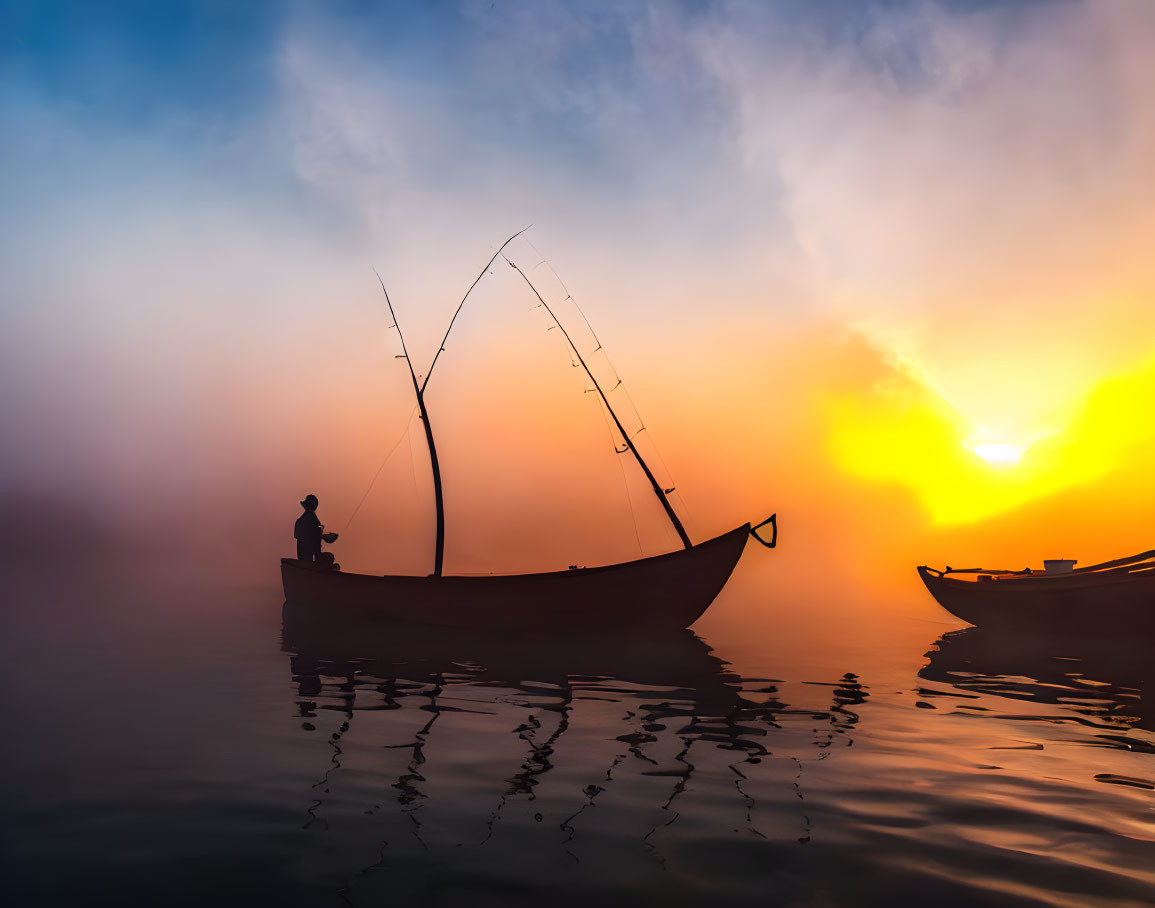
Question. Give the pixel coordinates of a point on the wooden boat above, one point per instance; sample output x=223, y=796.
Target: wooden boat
x=668, y=591
x=1112, y=597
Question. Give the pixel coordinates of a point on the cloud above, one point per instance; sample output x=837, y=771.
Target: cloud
x=966, y=184
x=970, y=188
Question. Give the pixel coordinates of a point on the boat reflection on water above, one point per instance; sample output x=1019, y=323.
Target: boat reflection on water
x=344, y=645
x=454, y=755
x=1104, y=681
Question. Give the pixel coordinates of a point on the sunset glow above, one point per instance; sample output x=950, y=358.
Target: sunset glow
x=997, y=452
x=949, y=308
x=900, y=432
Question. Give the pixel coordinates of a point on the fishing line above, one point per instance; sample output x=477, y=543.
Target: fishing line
x=606, y=420
x=606, y=357
x=569, y=296
x=613, y=443
x=457, y=311
x=412, y=462
x=667, y=507
x=373, y=481
x=625, y=478
x=653, y=446
x=609, y=363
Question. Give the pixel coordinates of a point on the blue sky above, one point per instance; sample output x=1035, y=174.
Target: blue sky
x=518, y=78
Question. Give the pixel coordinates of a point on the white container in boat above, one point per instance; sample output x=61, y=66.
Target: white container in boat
x=1059, y=565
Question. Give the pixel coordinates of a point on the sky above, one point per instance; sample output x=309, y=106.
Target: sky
x=832, y=249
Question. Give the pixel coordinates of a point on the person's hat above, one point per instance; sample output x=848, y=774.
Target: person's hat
x=310, y=502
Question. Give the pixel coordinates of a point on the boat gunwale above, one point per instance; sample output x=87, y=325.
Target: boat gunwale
x=744, y=529
x=1027, y=582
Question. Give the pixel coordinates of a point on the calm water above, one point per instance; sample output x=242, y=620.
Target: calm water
x=172, y=741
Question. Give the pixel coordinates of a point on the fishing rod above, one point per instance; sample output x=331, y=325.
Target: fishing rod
x=419, y=391
x=438, y=502
x=654, y=484
x=456, y=312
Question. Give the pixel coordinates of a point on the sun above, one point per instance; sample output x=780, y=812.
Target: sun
x=998, y=452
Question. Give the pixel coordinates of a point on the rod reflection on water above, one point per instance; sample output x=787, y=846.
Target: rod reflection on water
x=547, y=729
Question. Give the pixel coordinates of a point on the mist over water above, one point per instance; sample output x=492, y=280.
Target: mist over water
x=180, y=737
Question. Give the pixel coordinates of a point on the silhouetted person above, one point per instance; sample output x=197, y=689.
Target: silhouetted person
x=307, y=532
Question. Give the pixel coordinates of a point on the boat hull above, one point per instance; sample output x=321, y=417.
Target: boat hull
x=1108, y=602
x=665, y=592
